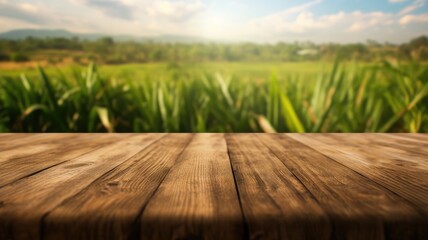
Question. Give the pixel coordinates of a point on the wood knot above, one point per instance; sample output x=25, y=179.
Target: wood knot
x=113, y=183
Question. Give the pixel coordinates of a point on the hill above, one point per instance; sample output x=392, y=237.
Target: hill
x=20, y=34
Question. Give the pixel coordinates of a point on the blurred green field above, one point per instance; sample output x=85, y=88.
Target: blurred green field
x=217, y=97
x=242, y=70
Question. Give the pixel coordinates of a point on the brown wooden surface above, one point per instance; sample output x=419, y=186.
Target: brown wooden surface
x=213, y=186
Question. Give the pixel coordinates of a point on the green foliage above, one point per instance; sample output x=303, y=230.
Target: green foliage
x=106, y=50
x=18, y=57
x=4, y=57
x=381, y=98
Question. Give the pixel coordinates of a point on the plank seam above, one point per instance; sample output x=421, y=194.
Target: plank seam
x=381, y=186
x=46, y=168
x=329, y=217
x=45, y=215
x=136, y=229
x=244, y=221
x=295, y=176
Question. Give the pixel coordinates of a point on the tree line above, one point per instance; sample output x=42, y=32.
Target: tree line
x=107, y=50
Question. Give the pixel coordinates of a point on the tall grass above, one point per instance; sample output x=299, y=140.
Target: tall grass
x=384, y=98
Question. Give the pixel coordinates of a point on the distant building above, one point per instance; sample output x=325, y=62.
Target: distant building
x=308, y=51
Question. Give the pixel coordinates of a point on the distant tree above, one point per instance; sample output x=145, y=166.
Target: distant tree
x=4, y=57
x=19, y=57
x=106, y=41
x=156, y=55
x=373, y=43
x=104, y=46
x=418, y=42
x=413, y=49
x=420, y=53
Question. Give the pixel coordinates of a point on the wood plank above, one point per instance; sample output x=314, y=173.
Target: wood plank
x=276, y=205
x=23, y=151
x=423, y=137
x=394, y=146
x=20, y=163
x=387, y=150
x=5, y=135
x=399, y=151
x=358, y=207
x=409, y=144
x=82, y=186
x=198, y=198
x=25, y=202
x=23, y=140
x=17, y=145
x=409, y=179
x=109, y=208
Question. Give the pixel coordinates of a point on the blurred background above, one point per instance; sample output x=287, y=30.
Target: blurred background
x=213, y=66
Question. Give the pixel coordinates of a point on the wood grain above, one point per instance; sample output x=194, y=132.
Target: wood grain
x=213, y=186
x=109, y=208
x=410, y=136
x=23, y=140
x=22, y=162
x=25, y=203
x=276, y=205
x=406, y=148
x=401, y=172
x=336, y=188
x=198, y=198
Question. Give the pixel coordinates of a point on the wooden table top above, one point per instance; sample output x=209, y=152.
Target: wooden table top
x=213, y=186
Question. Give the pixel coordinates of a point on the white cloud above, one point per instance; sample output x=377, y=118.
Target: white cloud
x=342, y=26
x=28, y=7
x=412, y=7
x=204, y=18
x=174, y=10
x=7, y=24
x=23, y=15
x=301, y=23
x=287, y=12
x=22, y=12
x=363, y=21
x=113, y=8
x=306, y=22
x=302, y=7
x=422, y=18
x=281, y=21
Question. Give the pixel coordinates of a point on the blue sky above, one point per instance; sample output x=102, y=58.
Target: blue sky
x=229, y=20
